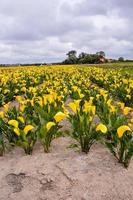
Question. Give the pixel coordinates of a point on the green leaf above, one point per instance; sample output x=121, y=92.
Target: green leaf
x=73, y=146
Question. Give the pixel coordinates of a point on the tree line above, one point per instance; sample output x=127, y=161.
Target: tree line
x=87, y=58
x=84, y=58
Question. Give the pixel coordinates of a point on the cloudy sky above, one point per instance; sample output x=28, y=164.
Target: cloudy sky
x=45, y=30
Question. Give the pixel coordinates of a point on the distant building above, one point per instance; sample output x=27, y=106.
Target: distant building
x=102, y=59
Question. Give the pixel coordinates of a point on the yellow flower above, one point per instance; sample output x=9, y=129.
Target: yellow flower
x=6, y=91
x=50, y=98
x=90, y=119
x=19, y=98
x=28, y=128
x=74, y=88
x=44, y=100
x=122, y=129
x=55, y=104
x=121, y=105
x=102, y=128
x=16, y=91
x=87, y=104
x=74, y=105
x=103, y=93
x=125, y=81
x=97, y=96
x=22, y=107
x=40, y=102
x=128, y=90
x=60, y=98
x=131, y=85
x=21, y=119
x=16, y=130
x=126, y=110
x=109, y=102
x=6, y=106
x=112, y=109
x=77, y=102
x=14, y=123
x=59, y=116
x=88, y=108
x=23, y=89
x=132, y=120
x=49, y=125
x=128, y=96
x=91, y=100
x=32, y=102
x=81, y=95
x=93, y=109
x=1, y=114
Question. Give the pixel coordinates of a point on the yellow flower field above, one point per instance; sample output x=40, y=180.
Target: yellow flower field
x=33, y=105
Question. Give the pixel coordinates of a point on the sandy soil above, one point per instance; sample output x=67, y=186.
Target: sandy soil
x=64, y=174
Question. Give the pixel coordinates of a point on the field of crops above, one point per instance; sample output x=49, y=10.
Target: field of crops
x=35, y=102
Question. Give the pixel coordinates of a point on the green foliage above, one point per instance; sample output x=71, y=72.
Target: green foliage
x=83, y=58
x=122, y=148
x=2, y=143
x=84, y=130
x=43, y=115
x=46, y=136
x=27, y=142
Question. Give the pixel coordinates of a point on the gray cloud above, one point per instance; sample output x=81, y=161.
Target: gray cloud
x=39, y=31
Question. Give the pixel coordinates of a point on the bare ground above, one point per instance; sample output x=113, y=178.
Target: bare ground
x=64, y=174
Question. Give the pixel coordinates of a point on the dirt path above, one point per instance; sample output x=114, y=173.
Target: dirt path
x=64, y=174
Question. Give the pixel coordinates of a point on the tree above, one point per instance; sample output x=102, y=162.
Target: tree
x=89, y=59
x=82, y=55
x=71, y=53
x=121, y=59
x=72, y=59
x=101, y=53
